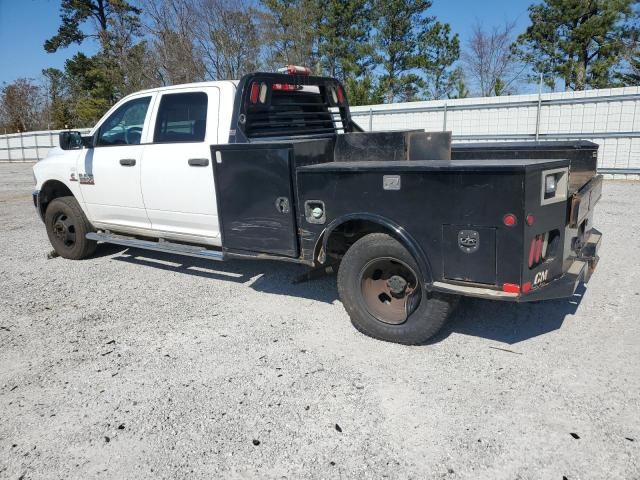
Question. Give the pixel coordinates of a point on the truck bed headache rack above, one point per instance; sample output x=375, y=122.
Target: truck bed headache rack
x=293, y=113
x=277, y=105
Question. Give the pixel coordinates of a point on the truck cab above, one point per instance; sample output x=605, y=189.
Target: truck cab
x=147, y=170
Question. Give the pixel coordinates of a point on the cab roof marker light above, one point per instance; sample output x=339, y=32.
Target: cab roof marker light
x=295, y=70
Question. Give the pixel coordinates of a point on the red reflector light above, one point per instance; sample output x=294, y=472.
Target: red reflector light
x=340, y=95
x=255, y=89
x=511, y=288
x=538, y=248
x=530, y=219
x=532, y=251
x=526, y=288
x=509, y=220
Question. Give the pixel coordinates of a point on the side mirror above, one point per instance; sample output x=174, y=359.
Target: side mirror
x=73, y=140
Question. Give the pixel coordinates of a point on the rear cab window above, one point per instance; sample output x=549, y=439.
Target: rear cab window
x=182, y=117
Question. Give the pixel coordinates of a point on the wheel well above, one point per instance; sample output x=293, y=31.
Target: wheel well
x=346, y=234
x=349, y=232
x=50, y=191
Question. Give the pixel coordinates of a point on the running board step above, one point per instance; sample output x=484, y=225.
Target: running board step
x=160, y=246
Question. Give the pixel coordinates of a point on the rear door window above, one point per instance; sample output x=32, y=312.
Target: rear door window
x=182, y=117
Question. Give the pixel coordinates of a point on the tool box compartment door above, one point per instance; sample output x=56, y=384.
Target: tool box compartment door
x=469, y=253
x=255, y=198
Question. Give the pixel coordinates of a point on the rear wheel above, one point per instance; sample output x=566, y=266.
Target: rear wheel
x=381, y=289
x=67, y=228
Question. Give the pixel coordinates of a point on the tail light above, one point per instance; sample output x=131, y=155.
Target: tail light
x=542, y=247
x=258, y=92
x=255, y=90
x=509, y=220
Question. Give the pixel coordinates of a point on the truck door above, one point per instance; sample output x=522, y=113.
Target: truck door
x=109, y=173
x=177, y=175
x=255, y=197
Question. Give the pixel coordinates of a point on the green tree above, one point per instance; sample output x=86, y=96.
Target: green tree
x=119, y=68
x=362, y=91
x=344, y=49
x=439, y=49
x=90, y=84
x=19, y=105
x=577, y=41
x=631, y=75
x=290, y=32
x=58, y=109
x=75, y=13
x=411, y=49
x=459, y=84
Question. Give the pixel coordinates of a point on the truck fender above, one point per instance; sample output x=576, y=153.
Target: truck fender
x=394, y=229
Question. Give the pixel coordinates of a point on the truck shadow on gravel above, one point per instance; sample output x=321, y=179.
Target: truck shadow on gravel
x=504, y=322
x=261, y=275
x=508, y=322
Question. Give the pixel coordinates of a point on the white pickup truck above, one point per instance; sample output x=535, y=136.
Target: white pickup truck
x=274, y=167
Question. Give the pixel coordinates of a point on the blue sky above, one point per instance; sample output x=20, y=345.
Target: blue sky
x=26, y=24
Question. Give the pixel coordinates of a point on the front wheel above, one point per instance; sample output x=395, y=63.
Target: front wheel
x=381, y=290
x=67, y=228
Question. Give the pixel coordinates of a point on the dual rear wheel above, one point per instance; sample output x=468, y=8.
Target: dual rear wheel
x=381, y=289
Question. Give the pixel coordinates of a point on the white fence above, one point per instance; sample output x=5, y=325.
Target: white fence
x=609, y=117
x=29, y=146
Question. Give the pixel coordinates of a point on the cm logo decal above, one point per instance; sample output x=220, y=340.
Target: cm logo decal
x=541, y=277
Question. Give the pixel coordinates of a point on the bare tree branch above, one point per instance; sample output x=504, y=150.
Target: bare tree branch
x=489, y=61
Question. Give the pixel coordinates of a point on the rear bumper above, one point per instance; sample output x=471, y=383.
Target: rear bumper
x=579, y=271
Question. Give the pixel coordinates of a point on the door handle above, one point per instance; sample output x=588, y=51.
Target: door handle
x=127, y=162
x=198, y=162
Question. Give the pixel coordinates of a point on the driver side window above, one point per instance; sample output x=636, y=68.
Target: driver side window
x=124, y=126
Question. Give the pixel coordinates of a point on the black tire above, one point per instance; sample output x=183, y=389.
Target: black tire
x=424, y=312
x=67, y=228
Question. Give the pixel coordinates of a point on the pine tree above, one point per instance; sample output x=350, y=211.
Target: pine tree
x=412, y=48
x=343, y=45
x=577, y=41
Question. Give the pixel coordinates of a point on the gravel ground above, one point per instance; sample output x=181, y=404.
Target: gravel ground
x=139, y=365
